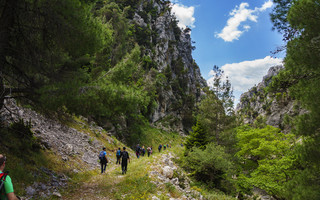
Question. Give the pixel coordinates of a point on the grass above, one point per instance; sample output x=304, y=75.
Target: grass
x=113, y=185
x=25, y=158
x=136, y=184
x=153, y=137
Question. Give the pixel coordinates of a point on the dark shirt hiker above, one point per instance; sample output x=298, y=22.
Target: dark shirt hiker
x=125, y=158
x=138, y=151
x=149, y=150
x=103, y=159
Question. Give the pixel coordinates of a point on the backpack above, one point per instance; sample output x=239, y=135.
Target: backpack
x=118, y=153
x=3, y=177
x=124, y=155
x=101, y=155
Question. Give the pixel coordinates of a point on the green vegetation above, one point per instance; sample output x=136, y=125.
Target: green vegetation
x=267, y=157
x=295, y=19
x=76, y=58
x=211, y=166
x=197, y=137
x=91, y=59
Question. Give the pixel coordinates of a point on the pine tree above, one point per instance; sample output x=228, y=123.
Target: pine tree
x=302, y=76
x=45, y=43
x=197, y=138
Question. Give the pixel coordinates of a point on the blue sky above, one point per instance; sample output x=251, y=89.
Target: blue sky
x=235, y=35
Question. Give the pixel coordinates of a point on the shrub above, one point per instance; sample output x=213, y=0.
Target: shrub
x=211, y=166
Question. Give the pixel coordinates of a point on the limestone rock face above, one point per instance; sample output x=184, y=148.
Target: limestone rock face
x=274, y=108
x=172, y=53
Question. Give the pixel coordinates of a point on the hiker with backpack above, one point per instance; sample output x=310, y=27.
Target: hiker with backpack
x=143, y=150
x=164, y=147
x=149, y=150
x=159, y=148
x=103, y=159
x=125, y=158
x=6, y=186
x=138, y=151
x=118, y=154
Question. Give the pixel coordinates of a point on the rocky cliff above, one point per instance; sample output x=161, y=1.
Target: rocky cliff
x=274, y=108
x=171, y=52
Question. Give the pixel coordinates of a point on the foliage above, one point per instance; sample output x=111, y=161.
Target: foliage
x=266, y=155
x=46, y=48
x=301, y=76
x=279, y=18
x=197, y=138
x=222, y=89
x=211, y=166
x=212, y=114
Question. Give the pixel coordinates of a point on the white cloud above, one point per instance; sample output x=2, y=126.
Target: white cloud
x=184, y=15
x=239, y=15
x=266, y=5
x=246, y=74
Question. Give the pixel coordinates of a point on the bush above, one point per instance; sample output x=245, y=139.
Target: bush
x=211, y=166
x=266, y=157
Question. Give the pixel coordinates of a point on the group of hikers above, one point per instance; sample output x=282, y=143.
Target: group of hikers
x=6, y=187
x=141, y=151
x=120, y=154
x=123, y=156
x=164, y=147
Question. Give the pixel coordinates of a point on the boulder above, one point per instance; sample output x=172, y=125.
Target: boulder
x=167, y=172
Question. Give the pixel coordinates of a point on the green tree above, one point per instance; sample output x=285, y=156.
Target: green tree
x=197, y=138
x=45, y=42
x=302, y=76
x=222, y=89
x=211, y=166
x=266, y=158
x=212, y=114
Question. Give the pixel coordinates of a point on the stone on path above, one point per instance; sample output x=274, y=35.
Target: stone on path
x=168, y=172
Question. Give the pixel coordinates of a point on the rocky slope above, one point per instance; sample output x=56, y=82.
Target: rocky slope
x=71, y=145
x=65, y=141
x=274, y=108
x=171, y=54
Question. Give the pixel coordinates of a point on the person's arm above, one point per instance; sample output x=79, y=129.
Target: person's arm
x=106, y=156
x=9, y=189
x=12, y=196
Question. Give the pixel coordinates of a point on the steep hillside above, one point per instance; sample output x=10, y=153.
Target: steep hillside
x=275, y=108
x=48, y=152
x=122, y=64
x=181, y=85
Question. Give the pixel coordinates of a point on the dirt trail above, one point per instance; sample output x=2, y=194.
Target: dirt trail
x=95, y=187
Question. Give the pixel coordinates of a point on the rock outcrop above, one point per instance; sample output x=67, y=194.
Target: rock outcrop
x=171, y=53
x=54, y=135
x=273, y=108
x=166, y=172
